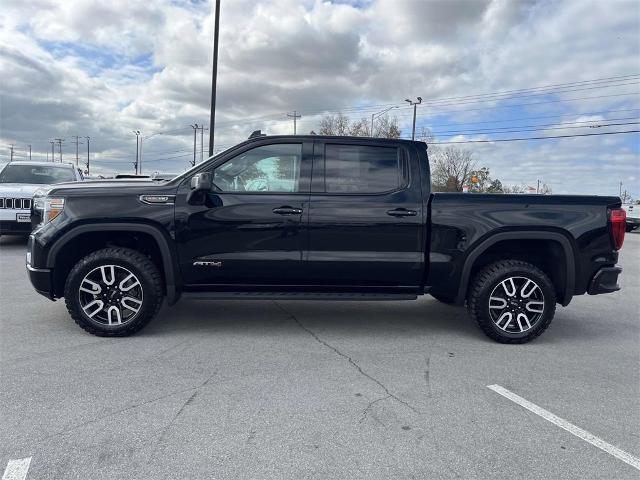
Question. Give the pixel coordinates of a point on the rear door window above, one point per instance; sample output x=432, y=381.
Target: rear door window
x=363, y=169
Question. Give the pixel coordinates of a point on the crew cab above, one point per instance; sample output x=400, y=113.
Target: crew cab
x=18, y=182
x=315, y=217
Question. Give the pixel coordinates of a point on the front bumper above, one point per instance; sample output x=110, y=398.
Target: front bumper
x=41, y=279
x=605, y=281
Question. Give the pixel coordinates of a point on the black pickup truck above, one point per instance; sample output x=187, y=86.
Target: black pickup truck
x=313, y=217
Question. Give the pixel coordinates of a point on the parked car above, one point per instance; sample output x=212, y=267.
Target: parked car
x=314, y=217
x=18, y=183
x=633, y=216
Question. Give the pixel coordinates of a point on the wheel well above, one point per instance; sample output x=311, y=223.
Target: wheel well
x=88, y=242
x=547, y=255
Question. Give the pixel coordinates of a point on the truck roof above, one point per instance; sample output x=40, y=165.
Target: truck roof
x=310, y=137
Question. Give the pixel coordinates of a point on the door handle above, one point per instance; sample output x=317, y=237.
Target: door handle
x=287, y=211
x=402, y=212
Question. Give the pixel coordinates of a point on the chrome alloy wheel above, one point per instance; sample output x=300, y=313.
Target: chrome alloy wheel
x=111, y=295
x=516, y=304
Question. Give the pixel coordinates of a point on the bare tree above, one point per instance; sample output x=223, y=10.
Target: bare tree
x=385, y=127
x=334, y=125
x=340, y=124
x=451, y=168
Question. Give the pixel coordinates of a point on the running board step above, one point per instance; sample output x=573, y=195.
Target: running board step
x=297, y=296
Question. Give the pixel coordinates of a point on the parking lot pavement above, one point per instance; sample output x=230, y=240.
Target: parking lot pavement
x=316, y=389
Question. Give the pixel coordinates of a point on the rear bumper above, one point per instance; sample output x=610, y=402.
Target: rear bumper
x=605, y=281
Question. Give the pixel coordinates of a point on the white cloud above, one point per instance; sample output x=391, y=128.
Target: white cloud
x=106, y=68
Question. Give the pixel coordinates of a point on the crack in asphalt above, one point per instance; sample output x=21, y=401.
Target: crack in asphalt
x=348, y=358
x=129, y=407
x=366, y=411
x=184, y=405
x=426, y=377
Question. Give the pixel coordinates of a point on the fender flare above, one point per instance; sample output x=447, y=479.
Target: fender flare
x=171, y=271
x=570, y=268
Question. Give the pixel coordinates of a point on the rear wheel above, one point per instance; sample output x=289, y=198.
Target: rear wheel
x=113, y=292
x=512, y=301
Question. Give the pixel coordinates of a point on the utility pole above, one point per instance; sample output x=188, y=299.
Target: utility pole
x=140, y=162
x=88, y=139
x=52, y=145
x=77, y=142
x=202, y=129
x=214, y=77
x=415, y=105
x=295, y=116
x=137, y=132
x=538, y=188
x=11, y=150
x=59, y=142
x=620, y=195
x=29, y=152
x=195, y=136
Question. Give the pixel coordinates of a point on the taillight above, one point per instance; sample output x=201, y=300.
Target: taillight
x=618, y=226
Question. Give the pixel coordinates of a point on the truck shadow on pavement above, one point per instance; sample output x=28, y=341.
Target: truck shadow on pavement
x=425, y=316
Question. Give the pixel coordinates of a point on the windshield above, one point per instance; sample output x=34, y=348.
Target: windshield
x=36, y=174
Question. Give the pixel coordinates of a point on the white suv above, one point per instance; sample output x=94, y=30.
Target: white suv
x=19, y=181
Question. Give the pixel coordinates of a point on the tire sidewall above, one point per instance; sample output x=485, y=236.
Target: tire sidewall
x=148, y=291
x=518, y=271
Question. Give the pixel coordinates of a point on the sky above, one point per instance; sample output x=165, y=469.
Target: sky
x=104, y=69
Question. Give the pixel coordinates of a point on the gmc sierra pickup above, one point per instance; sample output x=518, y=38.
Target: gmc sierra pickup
x=313, y=217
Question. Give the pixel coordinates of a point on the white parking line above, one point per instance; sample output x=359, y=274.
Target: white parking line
x=17, y=469
x=569, y=427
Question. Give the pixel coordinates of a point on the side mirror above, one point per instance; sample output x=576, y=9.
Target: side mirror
x=200, y=184
x=201, y=181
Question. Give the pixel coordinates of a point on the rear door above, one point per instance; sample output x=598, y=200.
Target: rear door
x=366, y=216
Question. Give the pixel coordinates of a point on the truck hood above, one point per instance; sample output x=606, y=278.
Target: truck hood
x=109, y=187
x=22, y=190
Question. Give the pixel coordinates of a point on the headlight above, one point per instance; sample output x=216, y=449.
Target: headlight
x=48, y=208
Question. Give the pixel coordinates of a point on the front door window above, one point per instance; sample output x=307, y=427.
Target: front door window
x=269, y=168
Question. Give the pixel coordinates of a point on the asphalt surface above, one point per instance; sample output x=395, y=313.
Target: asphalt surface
x=315, y=389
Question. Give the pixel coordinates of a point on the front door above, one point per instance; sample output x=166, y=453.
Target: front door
x=252, y=229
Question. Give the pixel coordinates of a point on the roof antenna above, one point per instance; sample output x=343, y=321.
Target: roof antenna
x=256, y=134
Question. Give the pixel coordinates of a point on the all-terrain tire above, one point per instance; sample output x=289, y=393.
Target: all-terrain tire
x=495, y=279
x=124, y=260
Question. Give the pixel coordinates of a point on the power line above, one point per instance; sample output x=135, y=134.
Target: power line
x=525, y=128
x=541, y=117
x=536, y=138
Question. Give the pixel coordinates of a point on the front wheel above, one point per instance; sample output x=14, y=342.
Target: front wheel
x=512, y=301
x=113, y=292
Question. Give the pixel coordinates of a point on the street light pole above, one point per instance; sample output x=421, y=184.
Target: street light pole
x=137, y=132
x=415, y=105
x=88, y=139
x=214, y=77
x=376, y=115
